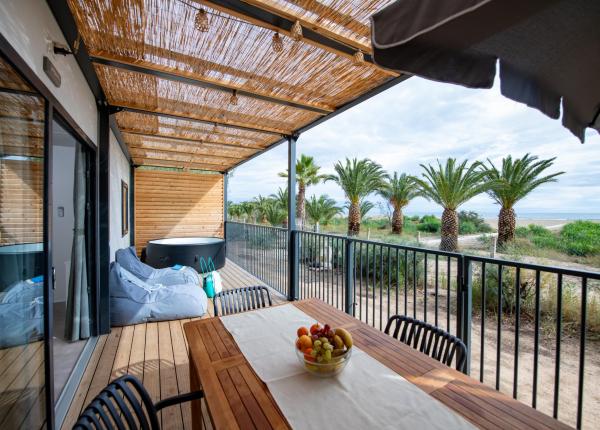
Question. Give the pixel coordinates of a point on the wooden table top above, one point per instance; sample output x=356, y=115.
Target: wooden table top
x=237, y=398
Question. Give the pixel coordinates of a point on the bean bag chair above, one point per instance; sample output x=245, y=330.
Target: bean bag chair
x=22, y=313
x=134, y=301
x=176, y=275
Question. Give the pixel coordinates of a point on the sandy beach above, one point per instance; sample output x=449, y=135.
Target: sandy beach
x=548, y=223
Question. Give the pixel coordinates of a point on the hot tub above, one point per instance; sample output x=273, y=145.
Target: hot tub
x=186, y=251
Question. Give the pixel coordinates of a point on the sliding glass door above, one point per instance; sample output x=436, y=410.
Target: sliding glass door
x=22, y=280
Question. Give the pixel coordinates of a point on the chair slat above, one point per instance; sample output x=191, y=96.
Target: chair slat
x=241, y=300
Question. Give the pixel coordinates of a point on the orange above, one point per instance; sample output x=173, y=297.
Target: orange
x=302, y=331
x=304, y=342
x=307, y=355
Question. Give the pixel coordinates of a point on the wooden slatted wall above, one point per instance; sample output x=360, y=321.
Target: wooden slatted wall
x=177, y=204
x=21, y=201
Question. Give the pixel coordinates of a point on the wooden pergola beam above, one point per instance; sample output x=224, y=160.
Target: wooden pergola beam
x=185, y=140
x=207, y=160
x=177, y=164
x=200, y=152
x=306, y=24
x=163, y=72
x=233, y=124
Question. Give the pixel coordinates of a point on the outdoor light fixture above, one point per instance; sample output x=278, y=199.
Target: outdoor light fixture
x=359, y=58
x=201, y=21
x=277, y=43
x=234, y=98
x=296, y=31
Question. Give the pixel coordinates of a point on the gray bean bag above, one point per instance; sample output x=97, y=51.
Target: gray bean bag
x=128, y=259
x=133, y=301
x=22, y=313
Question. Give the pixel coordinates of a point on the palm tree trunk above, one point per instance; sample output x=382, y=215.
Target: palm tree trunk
x=300, y=204
x=353, y=219
x=507, y=221
x=397, y=220
x=449, y=240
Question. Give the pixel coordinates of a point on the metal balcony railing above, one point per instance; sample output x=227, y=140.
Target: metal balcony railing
x=516, y=318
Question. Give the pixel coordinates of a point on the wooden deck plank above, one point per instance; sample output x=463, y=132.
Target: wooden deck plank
x=171, y=417
x=142, y=350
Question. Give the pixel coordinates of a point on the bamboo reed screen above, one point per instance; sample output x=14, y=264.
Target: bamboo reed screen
x=177, y=204
x=279, y=90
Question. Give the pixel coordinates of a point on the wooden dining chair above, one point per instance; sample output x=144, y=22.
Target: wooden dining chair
x=428, y=339
x=241, y=300
x=125, y=404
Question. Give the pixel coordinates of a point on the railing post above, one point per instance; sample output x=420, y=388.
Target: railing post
x=349, y=276
x=292, y=233
x=465, y=305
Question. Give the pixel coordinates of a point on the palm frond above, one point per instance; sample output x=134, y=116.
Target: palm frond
x=358, y=178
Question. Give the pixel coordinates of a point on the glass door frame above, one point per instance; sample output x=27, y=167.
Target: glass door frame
x=54, y=110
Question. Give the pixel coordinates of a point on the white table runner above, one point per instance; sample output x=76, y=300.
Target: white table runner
x=366, y=394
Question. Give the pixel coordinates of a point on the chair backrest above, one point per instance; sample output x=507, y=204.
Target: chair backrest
x=123, y=404
x=241, y=300
x=428, y=339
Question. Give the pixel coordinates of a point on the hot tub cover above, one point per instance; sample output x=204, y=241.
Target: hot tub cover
x=133, y=301
x=128, y=259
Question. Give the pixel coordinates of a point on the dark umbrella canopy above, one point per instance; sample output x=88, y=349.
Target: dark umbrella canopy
x=548, y=50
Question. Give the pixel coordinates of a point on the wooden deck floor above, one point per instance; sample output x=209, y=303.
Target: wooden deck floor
x=156, y=353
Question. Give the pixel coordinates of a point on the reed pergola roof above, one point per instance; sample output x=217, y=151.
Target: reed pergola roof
x=212, y=99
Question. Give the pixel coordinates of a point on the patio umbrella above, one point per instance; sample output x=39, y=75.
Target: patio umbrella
x=548, y=50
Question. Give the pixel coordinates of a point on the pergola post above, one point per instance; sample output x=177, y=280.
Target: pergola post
x=292, y=234
x=225, y=205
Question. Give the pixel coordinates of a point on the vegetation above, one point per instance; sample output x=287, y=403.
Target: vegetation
x=307, y=174
x=579, y=238
x=399, y=190
x=358, y=179
x=511, y=183
x=450, y=186
x=471, y=223
x=321, y=210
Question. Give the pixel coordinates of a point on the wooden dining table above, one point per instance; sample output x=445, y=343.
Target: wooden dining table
x=236, y=398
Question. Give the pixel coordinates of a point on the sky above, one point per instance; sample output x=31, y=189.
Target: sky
x=420, y=121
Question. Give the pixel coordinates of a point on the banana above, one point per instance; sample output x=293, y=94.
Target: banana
x=338, y=342
x=345, y=336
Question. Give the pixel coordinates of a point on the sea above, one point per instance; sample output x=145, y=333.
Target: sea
x=569, y=216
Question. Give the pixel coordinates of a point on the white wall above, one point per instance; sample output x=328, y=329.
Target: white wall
x=63, y=159
x=26, y=24
x=119, y=171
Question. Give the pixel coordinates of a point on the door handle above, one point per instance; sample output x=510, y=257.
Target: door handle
x=53, y=278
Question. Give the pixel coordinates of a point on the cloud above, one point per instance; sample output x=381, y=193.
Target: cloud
x=420, y=121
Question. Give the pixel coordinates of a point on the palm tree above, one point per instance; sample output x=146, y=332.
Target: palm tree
x=281, y=198
x=515, y=180
x=450, y=186
x=273, y=213
x=261, y=205
x=234, y=210
x=307, y=173
x=364, y=207
x=321, y=210
x=399, y=191
x=358, y=179
x=248, y=209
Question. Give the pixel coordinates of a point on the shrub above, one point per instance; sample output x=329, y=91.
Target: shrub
x=470, y=222
x=429, y=224
x=581, y=238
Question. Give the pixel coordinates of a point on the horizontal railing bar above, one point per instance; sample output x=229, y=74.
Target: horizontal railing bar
x=532, y=266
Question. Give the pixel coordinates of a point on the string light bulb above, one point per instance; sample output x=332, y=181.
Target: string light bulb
x=77, y=44
x=359, y=58
x=234, y=98
x=296, y=31
x=277, y=43
x=201, y=21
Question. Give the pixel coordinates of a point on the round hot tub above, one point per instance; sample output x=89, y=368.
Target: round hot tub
x=186, y=251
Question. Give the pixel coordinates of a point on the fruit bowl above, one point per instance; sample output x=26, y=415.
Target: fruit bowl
x=324, y=370
x=322, y=350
